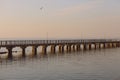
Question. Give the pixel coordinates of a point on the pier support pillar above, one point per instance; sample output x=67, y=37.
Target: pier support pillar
x=95, y=46
x=108, y=44
x=104, y=46
x=117, y=44
x=85, y=46
x=78, y=47
x=99, y=45
x=68, y=48
x=61, y=48
x=90, y=46
x=73, y=48
x=111, y=45
x=10, y=56
x=44, y=50
x=23, y=51
x=34, y=50
x=52, y=48
x=114, y=45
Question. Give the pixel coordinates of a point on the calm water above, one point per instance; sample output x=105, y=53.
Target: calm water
x=89, y=65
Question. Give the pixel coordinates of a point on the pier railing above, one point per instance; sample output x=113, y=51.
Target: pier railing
x=40, y=42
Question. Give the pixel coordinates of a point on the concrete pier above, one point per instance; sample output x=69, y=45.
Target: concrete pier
x=70, y=45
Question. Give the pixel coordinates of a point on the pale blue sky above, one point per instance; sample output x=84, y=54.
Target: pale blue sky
x=60, y=18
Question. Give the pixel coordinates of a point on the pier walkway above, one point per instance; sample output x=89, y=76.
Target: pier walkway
x=68, y=45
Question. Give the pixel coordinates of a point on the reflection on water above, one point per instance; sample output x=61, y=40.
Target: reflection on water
x=87, y=65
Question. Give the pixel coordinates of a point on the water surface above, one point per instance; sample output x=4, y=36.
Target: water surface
x=88, y=65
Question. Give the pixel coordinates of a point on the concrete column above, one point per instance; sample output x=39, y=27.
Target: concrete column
x=118, y=45
x=61, y=48
x=52, y=48
x=90, y=46
x=99, y=45
x=78, y=47
x=68, y=48
x=114, y=45
x=95, y=46
x=103, y=45
x=85, y=46
x=10, y=56
x=108, y=44
x=73, y=47
x=111, y=45
x=34, y=50
x=44, y=50
x=23, y=51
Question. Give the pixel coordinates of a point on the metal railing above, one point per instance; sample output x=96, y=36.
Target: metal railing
x=33, y=42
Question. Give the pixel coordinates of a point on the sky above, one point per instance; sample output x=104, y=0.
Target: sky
x=59, y=19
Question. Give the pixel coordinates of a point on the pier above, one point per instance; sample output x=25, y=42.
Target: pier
x=68, y=45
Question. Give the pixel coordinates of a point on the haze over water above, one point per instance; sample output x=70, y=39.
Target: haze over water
x=61, y=19
x=88, y=65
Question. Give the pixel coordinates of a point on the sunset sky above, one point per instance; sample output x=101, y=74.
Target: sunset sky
x=61, y=19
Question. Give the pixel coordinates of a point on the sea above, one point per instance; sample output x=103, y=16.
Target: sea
x=103, y=64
